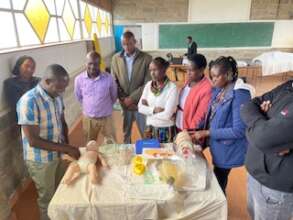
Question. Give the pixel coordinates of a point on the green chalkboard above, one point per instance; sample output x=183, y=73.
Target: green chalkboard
x=248, y=34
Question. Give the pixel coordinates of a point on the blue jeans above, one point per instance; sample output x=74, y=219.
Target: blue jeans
x=128, y=118
x=268, y=204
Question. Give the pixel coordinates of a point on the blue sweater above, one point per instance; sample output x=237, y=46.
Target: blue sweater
x=228, y=143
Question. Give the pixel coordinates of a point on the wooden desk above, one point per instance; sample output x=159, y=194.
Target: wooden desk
x=176, y=67
x=252, y=73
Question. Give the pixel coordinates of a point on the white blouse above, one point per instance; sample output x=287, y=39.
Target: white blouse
x=168, y=99
x=182, y=100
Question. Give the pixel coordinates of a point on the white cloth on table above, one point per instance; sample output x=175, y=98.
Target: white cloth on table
x=242, y=63
x=275, y=62
x=86, y=201
x=110, y=200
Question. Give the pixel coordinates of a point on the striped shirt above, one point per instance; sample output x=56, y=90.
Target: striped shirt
x=36, y=107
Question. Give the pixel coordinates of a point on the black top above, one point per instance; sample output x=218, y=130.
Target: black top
x=192, y=49
x=269, y=133
x=14, y=88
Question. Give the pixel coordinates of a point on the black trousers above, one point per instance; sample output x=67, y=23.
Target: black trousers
x=222, y=177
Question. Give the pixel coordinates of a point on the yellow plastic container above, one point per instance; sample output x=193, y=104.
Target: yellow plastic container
x=138, y=165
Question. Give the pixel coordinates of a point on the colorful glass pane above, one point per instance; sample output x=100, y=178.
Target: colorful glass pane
x=38, y=16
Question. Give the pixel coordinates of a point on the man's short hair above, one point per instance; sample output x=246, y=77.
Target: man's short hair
x=189, y=37
x=128, y=35
x=94, y=55
x=56, y=72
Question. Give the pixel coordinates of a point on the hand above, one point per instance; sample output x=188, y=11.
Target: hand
x=128, y=101
x=73, y=152
x=158, y=110
x=265, y=106
x=132, y=107
x=145, y=102
x=103, y=161
x=284, y=152
x=199, y=135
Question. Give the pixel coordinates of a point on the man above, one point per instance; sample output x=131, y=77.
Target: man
x=97, y=92
x=269, y=159
x=131, y=70
x=44, y=133
x=192, y=47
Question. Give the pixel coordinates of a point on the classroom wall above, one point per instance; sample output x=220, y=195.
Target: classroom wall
x=211, y=54
x=281, y=38
x=72, y=57
x=215, y=10
x=283, y=34
x=133, y=11
x=104, y=4
x=271, y=9
x=130, y=12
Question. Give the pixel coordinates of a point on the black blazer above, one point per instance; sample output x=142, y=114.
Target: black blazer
x=192, y=49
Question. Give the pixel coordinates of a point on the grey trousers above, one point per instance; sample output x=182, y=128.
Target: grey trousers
x=128, y=118
x=46, y=177
x=268, y=204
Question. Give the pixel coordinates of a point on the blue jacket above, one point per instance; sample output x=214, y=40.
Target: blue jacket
x=228, y=143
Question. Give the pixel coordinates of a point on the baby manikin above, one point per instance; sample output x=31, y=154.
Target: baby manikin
x=85, y=164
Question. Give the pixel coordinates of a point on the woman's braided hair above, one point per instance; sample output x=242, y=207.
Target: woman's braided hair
x=228, y=66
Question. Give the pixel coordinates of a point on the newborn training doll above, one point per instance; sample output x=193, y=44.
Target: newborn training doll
x=85, y=164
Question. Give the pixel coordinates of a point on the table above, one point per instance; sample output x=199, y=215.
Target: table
x=252, y=73
x=177, y=67
x=275, y=62
x=110, y=201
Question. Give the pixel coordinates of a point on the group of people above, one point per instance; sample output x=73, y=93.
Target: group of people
x=218, y=113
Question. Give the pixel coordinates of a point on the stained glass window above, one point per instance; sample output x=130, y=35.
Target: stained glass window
x=99, y=23
x=74, y=7
x=88, y=19
x=59, y=6
x=52, y=34
x=4, y=3
x=8, y=39
x=68, y=18
x=18, y=4
x=48, y=21
x=50, y=5
x=77, y=34
x=63, y=32
x=26, y=34
x=38, y=16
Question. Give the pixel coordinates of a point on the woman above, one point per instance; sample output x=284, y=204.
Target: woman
x=195, y=95
x=223, y=126
x=22, y=81
x=159, y=102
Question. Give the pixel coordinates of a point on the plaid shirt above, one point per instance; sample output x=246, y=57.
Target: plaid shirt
x=36, y=107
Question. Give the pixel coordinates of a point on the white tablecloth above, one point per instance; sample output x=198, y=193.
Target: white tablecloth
x=275, y=62
x=84, y=201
